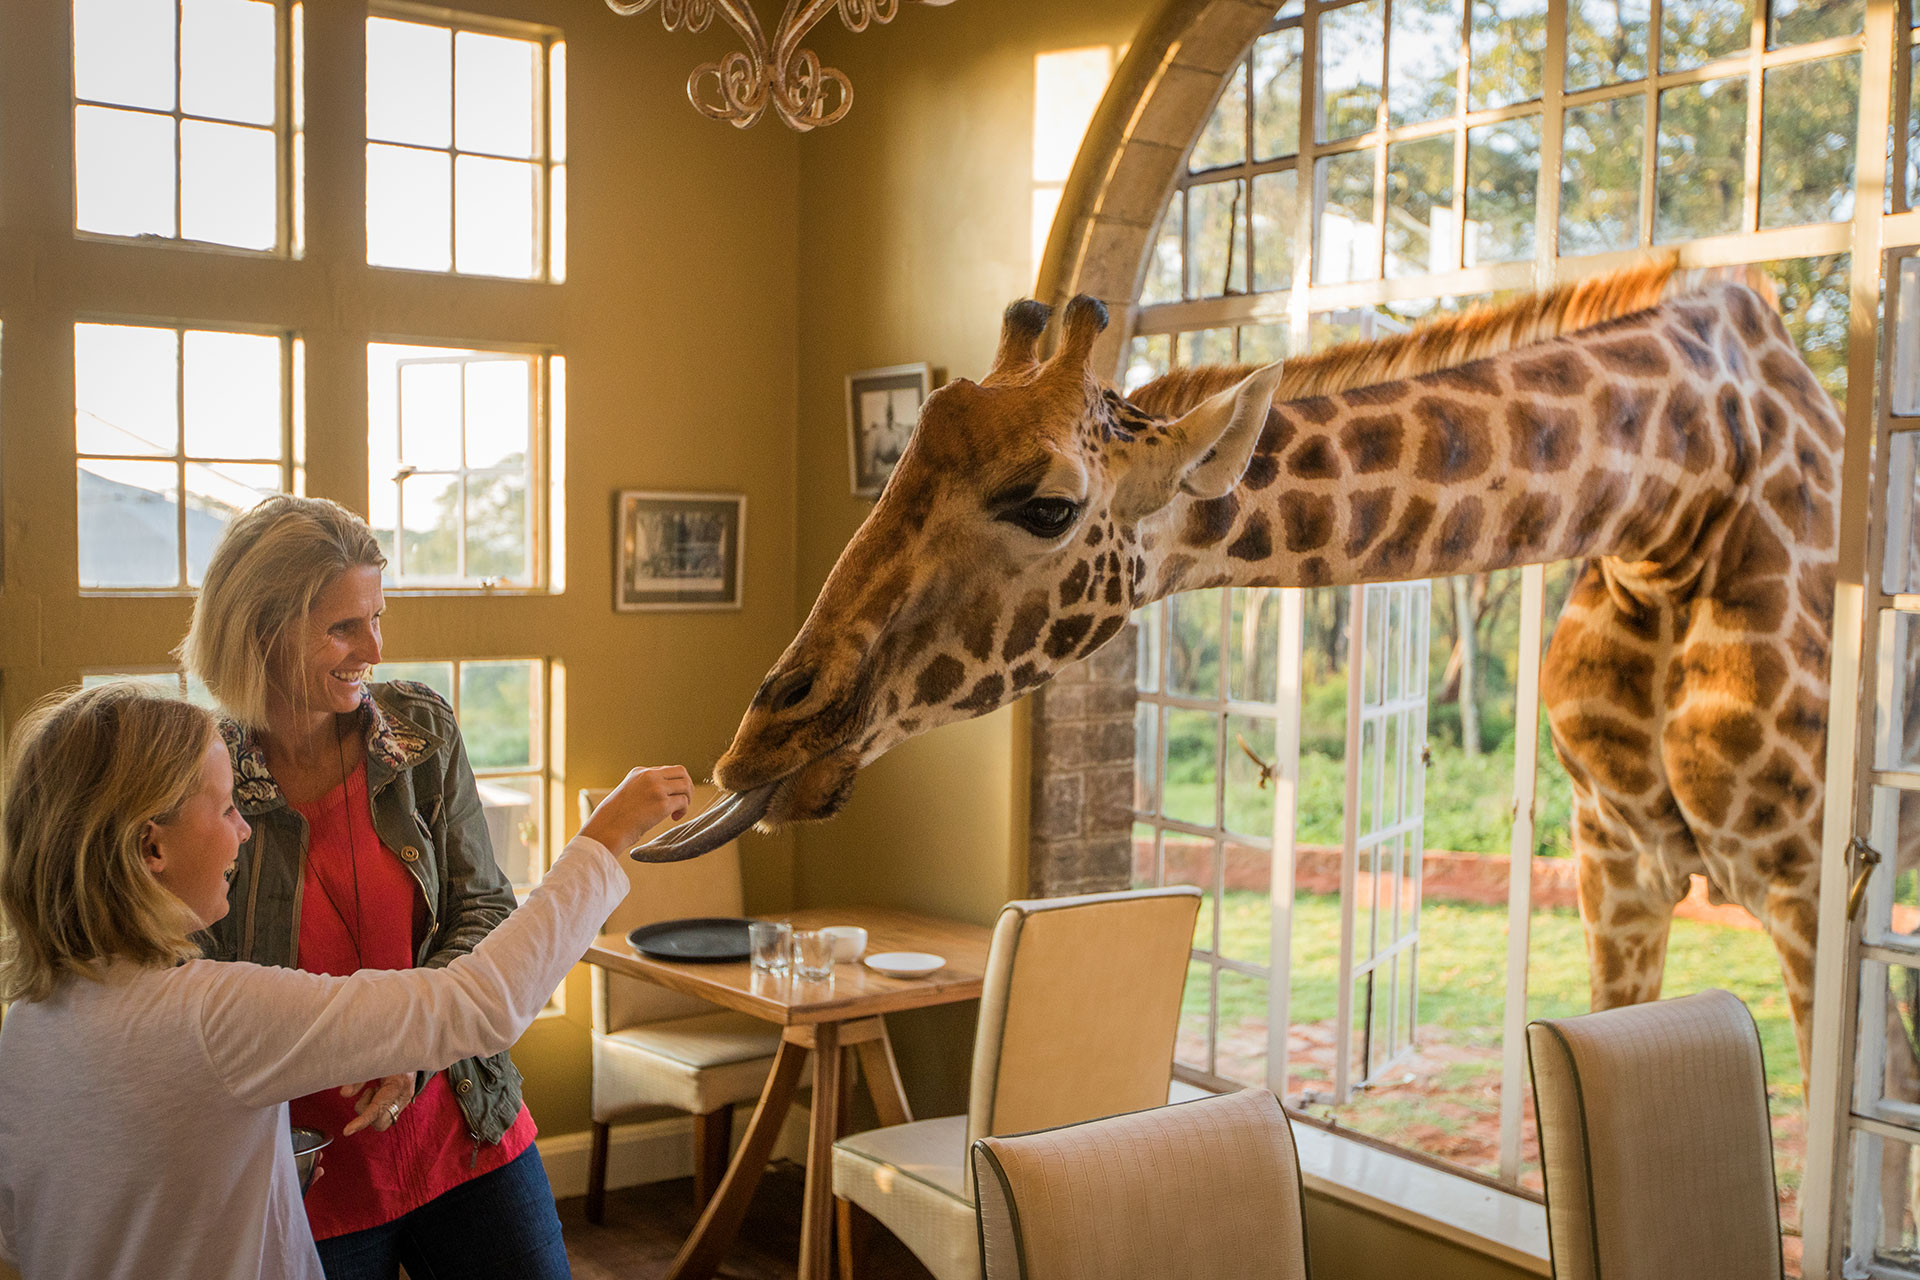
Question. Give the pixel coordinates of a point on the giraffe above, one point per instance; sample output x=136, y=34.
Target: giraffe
x=1680, y=448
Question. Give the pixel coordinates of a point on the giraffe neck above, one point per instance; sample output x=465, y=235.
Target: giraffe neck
x=1635, y=440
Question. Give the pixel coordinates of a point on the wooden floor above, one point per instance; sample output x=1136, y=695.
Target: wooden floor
x=645, y=1226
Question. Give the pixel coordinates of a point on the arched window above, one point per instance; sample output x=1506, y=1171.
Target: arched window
x=1262, y=183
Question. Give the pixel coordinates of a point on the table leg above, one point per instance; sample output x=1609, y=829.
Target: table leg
x=700, y=1256
x=816, y=1214
x=883, y=1079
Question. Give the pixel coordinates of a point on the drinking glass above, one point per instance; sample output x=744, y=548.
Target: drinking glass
x=812, y=954
x=770, y=942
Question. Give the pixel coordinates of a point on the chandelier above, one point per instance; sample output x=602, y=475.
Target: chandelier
x=741, y=86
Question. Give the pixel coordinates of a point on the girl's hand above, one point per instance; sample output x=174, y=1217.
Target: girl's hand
x=642, y=802
x=380, y=1103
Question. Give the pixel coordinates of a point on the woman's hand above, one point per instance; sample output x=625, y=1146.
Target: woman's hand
x=642, y=802
x=379, y=1104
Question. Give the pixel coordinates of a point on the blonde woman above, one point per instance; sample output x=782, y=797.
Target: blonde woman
x=145, y=1126
x=369, y=851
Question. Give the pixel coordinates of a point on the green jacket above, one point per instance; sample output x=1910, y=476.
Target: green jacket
x=427, y=810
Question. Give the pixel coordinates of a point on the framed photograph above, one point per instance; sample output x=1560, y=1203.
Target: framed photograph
x=882, y=406
x=677, y=550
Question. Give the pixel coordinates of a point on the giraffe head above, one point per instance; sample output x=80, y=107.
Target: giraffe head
x=1007, y=544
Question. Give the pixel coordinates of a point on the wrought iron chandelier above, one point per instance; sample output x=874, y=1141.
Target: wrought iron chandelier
x=741, y=86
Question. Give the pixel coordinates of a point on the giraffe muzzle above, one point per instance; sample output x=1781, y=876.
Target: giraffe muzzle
x=727, y=817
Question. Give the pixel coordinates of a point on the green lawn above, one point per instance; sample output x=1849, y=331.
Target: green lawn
x=1463, y=967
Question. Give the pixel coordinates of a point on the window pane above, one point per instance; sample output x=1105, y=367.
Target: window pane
x=1193, y=766
x=1147, y=361
x=1249, y=802
x=513, y=812
x=499, y=414
x=1420, y=228
x=497, y=531
x=1146, y=759
x=1194, y=657
x=1241, y=1052
x=1804, y=21
x=129, y=524
x=1913, y=131
x=1216, y=244
x=430, y=512
x=437, y=676
x=495, y=79
x=1275, y=215
x=409, y=82
x=1263, y=343
x=1254, y=631
x=1276, y=94
x=227, y=187
x=216, y=493
x=1600, y=159
x=227, y=59
x=126, y=389
x=1700, y=180
x=1162, y=283
x=1503, y=180
x=1606, y=42
x=494, y=216
x=1509, y=52
x=123, y=172
x=1224, y=140
x=1697, y=31
x=1351, y=41
x=1196, y=1002
x=1206, y=346
x=1807, y=141
x=1814, y=305
x=123, y=52
x=409, y=199
x=1346, y=248
x=430, y=414
x=233, y=395
x=497, y=720
x=1423, y=60
x=1900, y=571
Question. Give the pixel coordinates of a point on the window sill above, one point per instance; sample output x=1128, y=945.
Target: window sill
x=1467, y=1213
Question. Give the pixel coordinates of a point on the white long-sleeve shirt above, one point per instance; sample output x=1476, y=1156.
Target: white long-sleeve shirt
x=143, y=1118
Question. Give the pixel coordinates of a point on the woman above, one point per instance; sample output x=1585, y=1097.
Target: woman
x=369, y=850
x=145, y=1126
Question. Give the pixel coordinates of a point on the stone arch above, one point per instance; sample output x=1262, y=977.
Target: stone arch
x=1081, y=730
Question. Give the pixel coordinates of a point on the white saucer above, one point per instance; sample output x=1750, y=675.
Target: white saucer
x=905, y=964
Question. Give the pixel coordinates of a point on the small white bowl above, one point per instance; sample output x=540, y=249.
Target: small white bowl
x=849, y=942
x=906, y=964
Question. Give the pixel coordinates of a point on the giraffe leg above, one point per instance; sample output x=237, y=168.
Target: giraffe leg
x=1627, y=920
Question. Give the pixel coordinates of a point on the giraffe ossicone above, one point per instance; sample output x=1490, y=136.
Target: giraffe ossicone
x=1679, y=446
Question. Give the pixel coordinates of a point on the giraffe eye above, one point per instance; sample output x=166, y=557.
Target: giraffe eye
x=1045, y=517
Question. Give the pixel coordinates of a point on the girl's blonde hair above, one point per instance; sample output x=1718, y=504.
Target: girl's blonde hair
x=270, y=566
x=89, y=772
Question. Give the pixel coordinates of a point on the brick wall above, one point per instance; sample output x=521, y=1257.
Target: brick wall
x=1081, y=834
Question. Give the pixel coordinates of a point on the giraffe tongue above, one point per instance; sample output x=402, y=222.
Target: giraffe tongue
x=724, y=819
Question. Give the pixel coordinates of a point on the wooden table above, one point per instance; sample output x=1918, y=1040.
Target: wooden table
x=832, y=1019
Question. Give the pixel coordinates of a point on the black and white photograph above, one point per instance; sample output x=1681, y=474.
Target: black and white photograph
x=882, y=406
x=678, y=550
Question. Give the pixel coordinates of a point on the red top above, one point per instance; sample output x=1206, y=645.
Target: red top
x=373, y=1178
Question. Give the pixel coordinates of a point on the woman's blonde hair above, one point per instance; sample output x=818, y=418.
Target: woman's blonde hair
x=270, y=566
x=89, y=772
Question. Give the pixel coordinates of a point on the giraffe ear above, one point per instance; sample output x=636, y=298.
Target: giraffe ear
x=1210, y=447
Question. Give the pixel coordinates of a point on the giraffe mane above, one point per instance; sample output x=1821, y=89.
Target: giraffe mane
x=1447, y=341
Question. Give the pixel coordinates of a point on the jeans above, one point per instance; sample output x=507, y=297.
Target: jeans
x=500, y=1225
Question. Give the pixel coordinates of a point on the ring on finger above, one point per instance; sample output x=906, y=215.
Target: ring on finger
x=393, y=1113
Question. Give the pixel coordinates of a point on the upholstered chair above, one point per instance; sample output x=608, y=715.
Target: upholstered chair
x=657, y=1052
x=1206, y=1190
x=1077, y=1020
x=1656, y=1144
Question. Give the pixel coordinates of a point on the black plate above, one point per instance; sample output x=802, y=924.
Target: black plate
x=702, y=940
